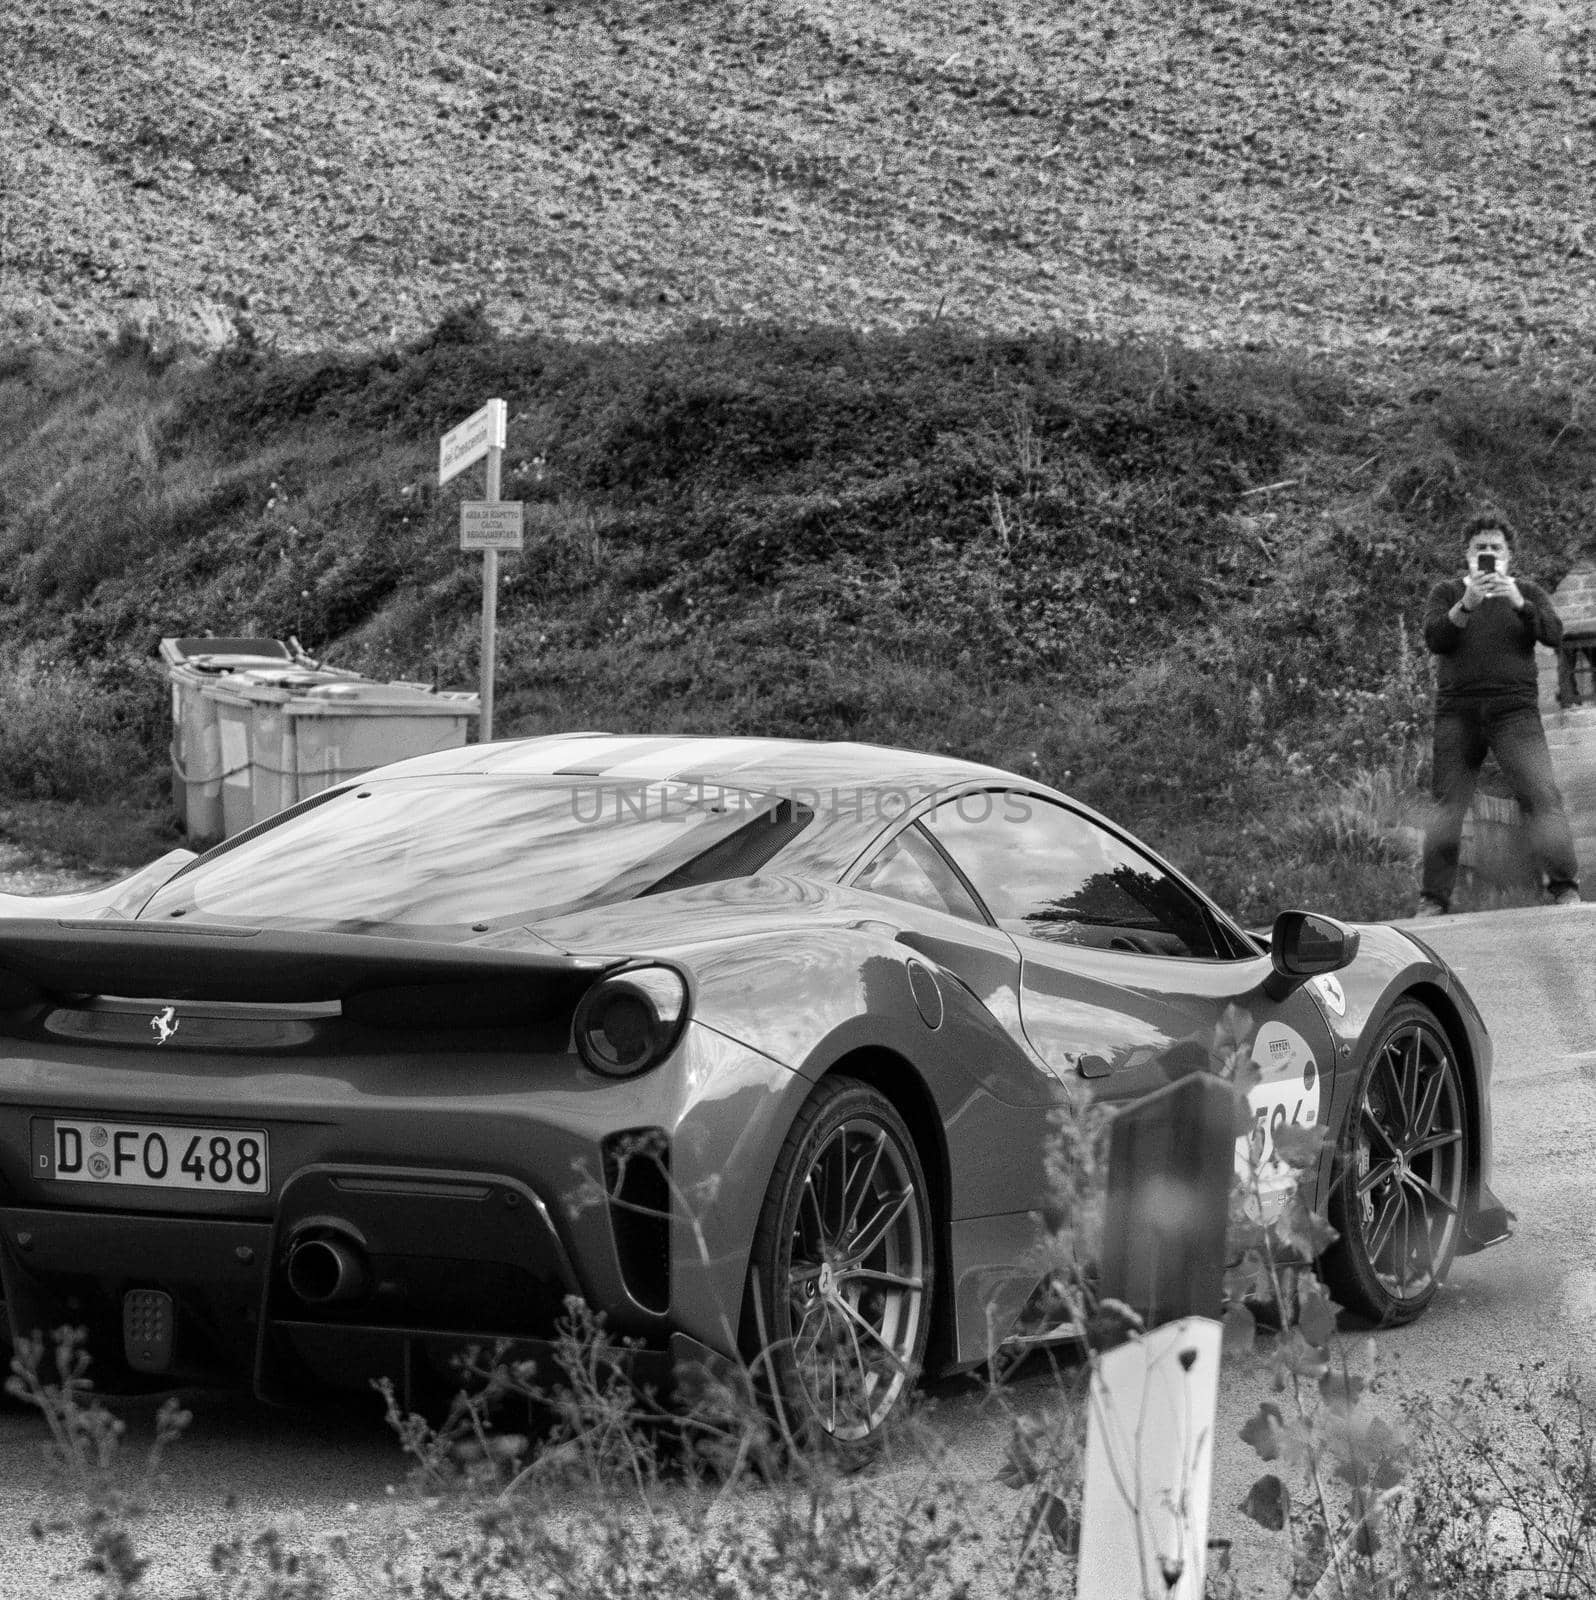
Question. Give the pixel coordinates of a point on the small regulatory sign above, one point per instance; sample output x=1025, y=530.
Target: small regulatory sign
x=479, y=433
x=490, y=525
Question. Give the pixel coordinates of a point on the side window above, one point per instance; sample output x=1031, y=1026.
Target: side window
x=911, y=868
x=1047, y=873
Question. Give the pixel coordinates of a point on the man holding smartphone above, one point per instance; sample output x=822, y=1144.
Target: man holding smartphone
x=1484, y=628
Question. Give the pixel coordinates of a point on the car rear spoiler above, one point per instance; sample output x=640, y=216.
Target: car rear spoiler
x=257, y=965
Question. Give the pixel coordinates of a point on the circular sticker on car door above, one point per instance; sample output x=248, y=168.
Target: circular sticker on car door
x=1287, y=1094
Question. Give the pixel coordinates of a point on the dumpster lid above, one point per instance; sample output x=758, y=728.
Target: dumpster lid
x=364, y=693
x=280, y=677
x=273, y=684
x=222, y=664
x=224, y=653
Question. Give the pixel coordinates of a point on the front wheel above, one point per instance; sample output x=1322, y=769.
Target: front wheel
x=843, y=1265
x=1402, y=1170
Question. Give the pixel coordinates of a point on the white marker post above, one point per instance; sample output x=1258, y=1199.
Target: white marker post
x=481, y=434
x=1149, y=1466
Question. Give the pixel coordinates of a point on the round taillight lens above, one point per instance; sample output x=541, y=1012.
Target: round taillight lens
x=629, y=1021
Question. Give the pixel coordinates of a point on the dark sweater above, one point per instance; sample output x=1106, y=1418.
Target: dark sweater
x=1492, y=657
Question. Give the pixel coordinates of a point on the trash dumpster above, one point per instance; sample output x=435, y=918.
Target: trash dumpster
x=340, y=730
x=251, y=728
x=286, y=735
x=196, y=740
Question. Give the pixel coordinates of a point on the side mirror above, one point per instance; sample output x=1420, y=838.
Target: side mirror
x=1303, y=945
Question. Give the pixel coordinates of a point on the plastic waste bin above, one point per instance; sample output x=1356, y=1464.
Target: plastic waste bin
x=196, y=751
x=286, y=735
x=252, y=729
x=340, y=730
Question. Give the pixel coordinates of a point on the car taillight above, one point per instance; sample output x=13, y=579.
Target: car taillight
x=628, y=1022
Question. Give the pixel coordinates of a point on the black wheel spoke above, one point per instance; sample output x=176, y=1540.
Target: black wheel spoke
x=835, y=1179
x=831, y=1372
x=811, y=1206
x=859, y=1185
x=873, y=1232
x=1427, y=1191
x=1412, y=1074
x=1376, y=1129
x=1376, y=1175
x=891, y=1280
x=1418, y=1273
x=1379, y=1235
x=860, y=1367
x=865, y=1326
x=810, y=1328
x=1443, y=1140
x=1388, y=1065
x=1429, y=1245
x=1429, y=1105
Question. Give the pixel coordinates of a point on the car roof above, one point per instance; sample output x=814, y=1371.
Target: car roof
x=776, y=765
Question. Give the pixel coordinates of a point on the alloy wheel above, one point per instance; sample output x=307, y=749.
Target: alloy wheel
x=848, y=1223
x=1405, y=1164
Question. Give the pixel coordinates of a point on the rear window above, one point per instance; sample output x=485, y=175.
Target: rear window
x=433, y=853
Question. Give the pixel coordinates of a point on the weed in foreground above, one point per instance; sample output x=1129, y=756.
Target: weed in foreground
x=620, y=1495
x=86, y=1450
x=1502, y=1490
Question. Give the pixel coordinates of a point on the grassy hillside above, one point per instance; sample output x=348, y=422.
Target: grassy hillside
x=1181, y=585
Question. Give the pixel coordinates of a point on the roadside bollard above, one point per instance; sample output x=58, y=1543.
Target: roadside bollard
x=1171, y=1157
x=1153, y=1400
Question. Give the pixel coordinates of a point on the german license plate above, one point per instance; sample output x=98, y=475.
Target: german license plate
x=151, y=1155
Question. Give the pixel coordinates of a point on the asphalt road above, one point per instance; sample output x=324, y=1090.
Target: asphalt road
x=243, y=1467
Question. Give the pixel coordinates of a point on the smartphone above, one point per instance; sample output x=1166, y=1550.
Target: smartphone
x=1485, y=561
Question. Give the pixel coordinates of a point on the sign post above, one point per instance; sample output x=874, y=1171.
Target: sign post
x=481, y=434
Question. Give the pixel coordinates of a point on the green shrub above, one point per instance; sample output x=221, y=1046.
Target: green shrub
x=65, y=737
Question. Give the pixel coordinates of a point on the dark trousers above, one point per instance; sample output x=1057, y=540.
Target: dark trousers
x=1515, y=735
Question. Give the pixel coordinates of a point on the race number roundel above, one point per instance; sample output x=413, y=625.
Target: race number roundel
x=1287, y=1094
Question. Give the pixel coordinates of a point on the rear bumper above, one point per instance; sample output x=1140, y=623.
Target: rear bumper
x=440, y=1258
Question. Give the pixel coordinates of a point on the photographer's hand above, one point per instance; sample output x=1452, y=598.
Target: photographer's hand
x=1510, y=591
x=1478, y=587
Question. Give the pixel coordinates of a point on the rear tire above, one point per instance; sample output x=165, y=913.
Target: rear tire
x=843, y=1268
x=1402, y=1166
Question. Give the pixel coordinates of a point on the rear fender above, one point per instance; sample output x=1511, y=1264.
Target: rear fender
x=827, y=1003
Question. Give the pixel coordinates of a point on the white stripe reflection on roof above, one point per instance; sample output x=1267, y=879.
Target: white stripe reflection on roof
x=629, y=754
x=559, y=750
x=692, y=758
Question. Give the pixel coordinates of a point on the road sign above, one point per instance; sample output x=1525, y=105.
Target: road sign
x=479, y=433
x=490, y=525
x=487, y=525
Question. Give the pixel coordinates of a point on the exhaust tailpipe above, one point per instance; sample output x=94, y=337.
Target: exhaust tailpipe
x=324, y=1272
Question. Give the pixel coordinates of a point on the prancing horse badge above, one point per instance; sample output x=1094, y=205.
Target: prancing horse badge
x=165, y=1025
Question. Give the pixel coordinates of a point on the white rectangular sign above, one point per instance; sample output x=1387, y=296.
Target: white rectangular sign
x=479, y=433
x=490, y=525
